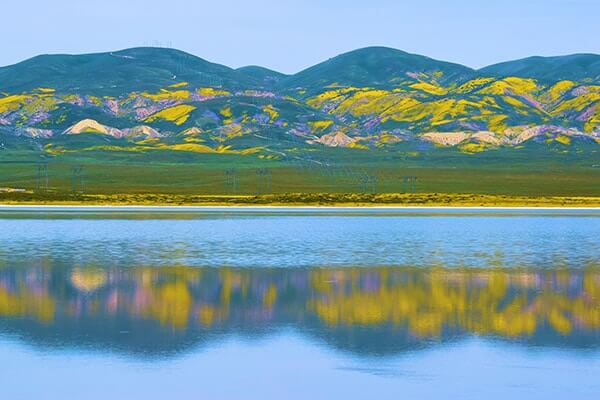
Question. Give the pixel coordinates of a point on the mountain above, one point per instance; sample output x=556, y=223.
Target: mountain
x=376, y=66
x=115, y=73
x=373, y=99
x=576, y=67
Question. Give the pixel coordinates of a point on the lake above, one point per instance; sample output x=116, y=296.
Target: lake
x=269, y=303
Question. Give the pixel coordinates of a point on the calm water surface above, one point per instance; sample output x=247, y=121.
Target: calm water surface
x=295, y=304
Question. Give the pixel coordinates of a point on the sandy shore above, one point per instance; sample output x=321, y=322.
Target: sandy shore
x=237, y=209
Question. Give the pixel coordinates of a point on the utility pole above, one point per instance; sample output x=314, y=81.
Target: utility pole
x=77, y=179
x=231, y=182
x=264, y=181
x=408, y=184
x=369, y=183
x=42, y=178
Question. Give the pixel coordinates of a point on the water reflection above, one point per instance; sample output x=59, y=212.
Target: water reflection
x=150, y=311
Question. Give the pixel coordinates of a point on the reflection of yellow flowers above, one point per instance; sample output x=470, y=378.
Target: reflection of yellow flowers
x=485, y=302
x=88, y=280
x=25, y=303
x=513, y=324
x=425, y=303
x=206, y=315
x=172, y=305
x=270, y=296
x=559, y=322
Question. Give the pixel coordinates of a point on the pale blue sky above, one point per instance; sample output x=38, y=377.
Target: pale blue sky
x=291, y=35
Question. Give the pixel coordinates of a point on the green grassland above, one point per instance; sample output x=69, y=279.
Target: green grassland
x=169, y=177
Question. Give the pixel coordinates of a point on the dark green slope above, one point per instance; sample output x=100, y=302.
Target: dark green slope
x=576, y=67
x=264, y=76
x=375, y=66
x=139, y=69
x=119, y=72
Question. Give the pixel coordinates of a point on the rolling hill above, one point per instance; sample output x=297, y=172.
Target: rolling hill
x=376, y=66
x=376, y=100
x=576, y=67
x=119, y=72
x=267, y=77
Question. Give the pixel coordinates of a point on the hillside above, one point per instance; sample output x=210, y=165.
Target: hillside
x=117, y=73
x=264, y=76
x=376, y=66
x=576, y=67
x=374, y=99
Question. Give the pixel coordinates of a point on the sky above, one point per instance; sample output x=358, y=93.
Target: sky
x=290, y=35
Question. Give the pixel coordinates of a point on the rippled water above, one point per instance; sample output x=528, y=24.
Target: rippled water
x=299, y=304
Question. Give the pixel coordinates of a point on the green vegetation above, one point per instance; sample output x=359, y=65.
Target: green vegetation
x=301, y=199
x=152, y=121
x=166, y=178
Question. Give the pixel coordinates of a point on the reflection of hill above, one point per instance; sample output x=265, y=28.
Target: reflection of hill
x=145, y=310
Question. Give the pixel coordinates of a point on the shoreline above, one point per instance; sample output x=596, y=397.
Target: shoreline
x=225, y=206
x=287, y=208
